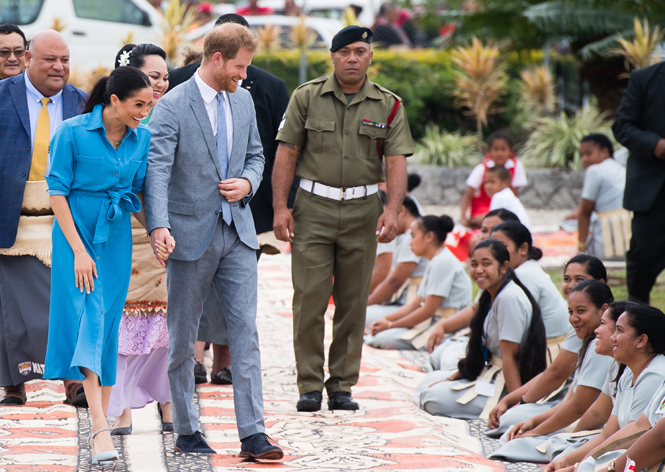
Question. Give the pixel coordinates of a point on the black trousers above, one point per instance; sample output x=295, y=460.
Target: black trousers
x=645, y=259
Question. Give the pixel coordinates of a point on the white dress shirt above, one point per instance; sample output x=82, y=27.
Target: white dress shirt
x=54, y=108
x=209, y=96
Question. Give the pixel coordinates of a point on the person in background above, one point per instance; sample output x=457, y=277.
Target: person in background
x=445, y=287
x=143, y=337
x=476, y=202
x=32, y=106
x=406, y=265
x=497, y=187
x=12, y=50
x=412, y=182
x=384, y=256
x=270, y=96
x=253, y=9
x=604, y=183
x=640, y=127
x=291, y=9
x=388, y=33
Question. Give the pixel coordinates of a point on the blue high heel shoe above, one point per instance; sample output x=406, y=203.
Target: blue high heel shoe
x=103, y=458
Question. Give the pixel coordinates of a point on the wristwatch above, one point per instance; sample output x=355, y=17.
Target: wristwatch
x=610, y=467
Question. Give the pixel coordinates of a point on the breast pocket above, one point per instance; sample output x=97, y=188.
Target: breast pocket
x=320, y=135
x=369, y=137
x=89, y=170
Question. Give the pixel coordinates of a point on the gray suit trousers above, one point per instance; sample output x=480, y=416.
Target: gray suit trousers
x=230, y=267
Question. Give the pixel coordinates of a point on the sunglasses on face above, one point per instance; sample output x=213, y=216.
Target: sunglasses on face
x=5, y=53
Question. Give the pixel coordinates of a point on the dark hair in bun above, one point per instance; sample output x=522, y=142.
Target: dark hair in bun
x=123, y=82
x=439, y=225
x=138, y=53
x=519, y=234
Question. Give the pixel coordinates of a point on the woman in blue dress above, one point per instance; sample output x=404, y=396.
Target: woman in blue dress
x=96, y=179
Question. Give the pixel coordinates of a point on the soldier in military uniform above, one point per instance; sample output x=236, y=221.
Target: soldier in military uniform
x=341, y=127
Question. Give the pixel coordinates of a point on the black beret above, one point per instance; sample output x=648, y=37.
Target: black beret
x=350, y=34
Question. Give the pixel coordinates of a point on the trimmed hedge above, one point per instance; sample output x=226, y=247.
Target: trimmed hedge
x=423, y=78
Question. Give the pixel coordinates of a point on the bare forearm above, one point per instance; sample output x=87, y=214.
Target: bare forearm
x=63, y=214
x=568, y=413
x=412, y=319
x=648, y=450
x=395, y=182
x=283, y=173
x=583, y=222
x=385, y=290
x=466, y=203
x=140, y=216
x=511, y=374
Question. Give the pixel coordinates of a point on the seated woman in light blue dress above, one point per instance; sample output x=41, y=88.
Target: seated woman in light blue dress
x=506, y=347
x=639, y=343
x=587, y=303
x=552, y=384
x=95, y=182
x=599, y=413
x=445, y=286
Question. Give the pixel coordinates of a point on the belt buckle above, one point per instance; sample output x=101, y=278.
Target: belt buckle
x=342, y=195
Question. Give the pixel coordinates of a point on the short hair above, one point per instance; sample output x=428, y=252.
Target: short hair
x=227, y=39
x=501, y=173
x=232, y=18
x=600, y=140
x=10, y=28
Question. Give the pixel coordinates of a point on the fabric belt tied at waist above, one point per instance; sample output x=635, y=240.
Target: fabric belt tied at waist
x=114, y=204
x=494, y=371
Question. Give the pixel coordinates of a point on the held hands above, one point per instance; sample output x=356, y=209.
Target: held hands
x=283, y=225
x=162, y=244
x=435, y=338
x=386, y=228
x=493, y=422
x=234, y=189
x=85, y=271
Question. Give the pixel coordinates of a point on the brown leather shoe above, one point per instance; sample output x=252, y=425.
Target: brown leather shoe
x=13, y=395
x=75, y=395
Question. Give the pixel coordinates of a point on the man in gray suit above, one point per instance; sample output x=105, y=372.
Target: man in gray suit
x=205, y=165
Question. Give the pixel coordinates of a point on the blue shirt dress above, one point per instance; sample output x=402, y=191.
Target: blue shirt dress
x=100, y=185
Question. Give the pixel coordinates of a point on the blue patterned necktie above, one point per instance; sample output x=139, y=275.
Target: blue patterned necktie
x=223, y=153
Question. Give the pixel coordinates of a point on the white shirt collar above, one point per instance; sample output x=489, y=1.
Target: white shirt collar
x=207, y=92
x=35, y=94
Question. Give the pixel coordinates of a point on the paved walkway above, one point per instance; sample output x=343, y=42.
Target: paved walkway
x=388, y=433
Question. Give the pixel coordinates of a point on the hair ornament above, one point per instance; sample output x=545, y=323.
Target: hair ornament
x=124, y=58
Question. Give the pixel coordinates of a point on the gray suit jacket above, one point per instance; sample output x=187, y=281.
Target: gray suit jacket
x=181, y=190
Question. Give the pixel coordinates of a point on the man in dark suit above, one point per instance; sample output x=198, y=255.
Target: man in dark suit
x=271, y=96
x=640, y=126
x=32, y=105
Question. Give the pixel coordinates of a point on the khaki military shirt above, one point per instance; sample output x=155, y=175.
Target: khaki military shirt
x=338, y=139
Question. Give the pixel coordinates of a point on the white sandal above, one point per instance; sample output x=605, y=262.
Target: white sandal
x=103, y=458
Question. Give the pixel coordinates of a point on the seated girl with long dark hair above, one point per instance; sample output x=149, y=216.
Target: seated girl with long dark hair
x=506, y=345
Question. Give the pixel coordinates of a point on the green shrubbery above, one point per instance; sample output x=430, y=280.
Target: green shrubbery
x=423, y=78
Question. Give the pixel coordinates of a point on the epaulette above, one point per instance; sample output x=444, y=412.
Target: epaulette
x=313, y=81
x=385, y=90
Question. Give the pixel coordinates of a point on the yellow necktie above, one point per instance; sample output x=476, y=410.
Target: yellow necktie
x=41, y=144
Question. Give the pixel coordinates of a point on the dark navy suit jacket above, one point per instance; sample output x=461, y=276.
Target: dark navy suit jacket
x=15, y=148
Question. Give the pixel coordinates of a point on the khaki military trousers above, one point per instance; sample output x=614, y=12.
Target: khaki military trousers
x=333, y=252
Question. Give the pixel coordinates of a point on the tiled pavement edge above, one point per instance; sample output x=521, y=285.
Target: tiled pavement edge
x=388, y=433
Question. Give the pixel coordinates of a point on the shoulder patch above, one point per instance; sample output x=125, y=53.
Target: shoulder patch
x=313, y=82
x=385, y=90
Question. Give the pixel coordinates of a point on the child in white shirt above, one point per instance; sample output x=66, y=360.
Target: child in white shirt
x=497, y=186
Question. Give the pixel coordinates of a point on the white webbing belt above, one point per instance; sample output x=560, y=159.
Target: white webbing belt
x=339, y=194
